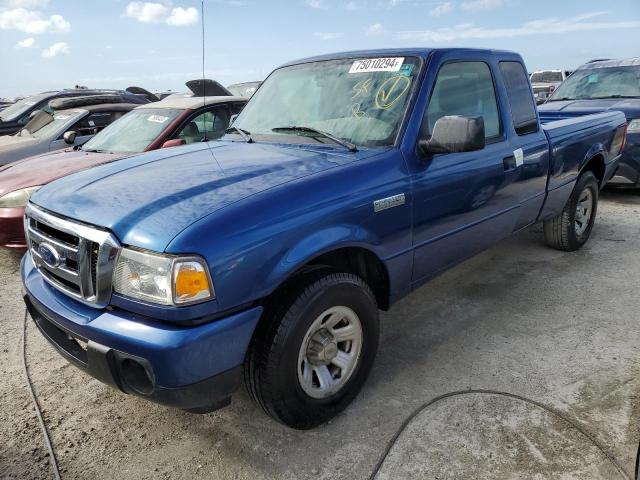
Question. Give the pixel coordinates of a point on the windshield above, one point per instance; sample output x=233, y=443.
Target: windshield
x=134, y=132
x=360, y=101
x=609, y=82
x=245, y=90
x=546, y=77
x=45, y=125
x=18, y=109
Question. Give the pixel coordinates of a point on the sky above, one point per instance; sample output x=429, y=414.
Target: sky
x=52, y=44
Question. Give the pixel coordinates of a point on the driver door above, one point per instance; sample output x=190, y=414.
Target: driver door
x=463, y=202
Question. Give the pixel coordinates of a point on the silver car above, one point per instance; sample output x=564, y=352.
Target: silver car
x=58, y=129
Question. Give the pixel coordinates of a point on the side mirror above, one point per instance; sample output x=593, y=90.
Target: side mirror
x=455, y=134
x=33, y=114
x=233, y=119
x=70, y=137
x=174, y=142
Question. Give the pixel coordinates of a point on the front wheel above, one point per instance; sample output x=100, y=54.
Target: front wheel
x=570, y=230
x=314, y=349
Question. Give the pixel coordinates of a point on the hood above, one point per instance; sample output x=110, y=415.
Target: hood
x=43, y=169
x=629, y=106
x=9, y=141
x=148, y=199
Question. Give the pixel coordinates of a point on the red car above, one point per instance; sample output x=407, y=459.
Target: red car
x=177, y=120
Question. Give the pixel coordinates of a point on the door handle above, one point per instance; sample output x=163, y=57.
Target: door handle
x=509, y=163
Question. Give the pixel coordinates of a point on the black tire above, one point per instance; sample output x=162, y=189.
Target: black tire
x=270, y=369
x=560, y=232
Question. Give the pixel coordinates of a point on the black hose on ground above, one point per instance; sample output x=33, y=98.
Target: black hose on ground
x=45, y=432
x=391, y=443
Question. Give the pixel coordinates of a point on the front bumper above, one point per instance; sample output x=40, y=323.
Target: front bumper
x=193, y=368
x=12, y=228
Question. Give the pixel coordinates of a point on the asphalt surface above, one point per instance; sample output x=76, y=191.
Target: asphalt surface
x=558, y=329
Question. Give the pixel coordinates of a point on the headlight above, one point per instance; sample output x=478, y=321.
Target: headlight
x=162, y=279
x=634, y=126
x=18, y=198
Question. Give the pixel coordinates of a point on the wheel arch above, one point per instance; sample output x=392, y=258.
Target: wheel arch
x=338, y=249
x=595, y=163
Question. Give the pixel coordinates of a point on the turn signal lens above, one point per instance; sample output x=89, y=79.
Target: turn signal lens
x=191, y=282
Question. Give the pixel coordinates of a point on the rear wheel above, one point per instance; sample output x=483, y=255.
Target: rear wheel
x=314, y=349
x=571, y=229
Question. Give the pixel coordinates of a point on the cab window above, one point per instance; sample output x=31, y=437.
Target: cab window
x=465, y=89
x=523, y=110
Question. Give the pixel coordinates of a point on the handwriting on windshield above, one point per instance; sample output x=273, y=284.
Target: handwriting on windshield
x=356, y=111
x=391, y=90
x=362, y=87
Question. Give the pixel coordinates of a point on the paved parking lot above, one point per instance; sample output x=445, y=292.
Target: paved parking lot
x=558, y=329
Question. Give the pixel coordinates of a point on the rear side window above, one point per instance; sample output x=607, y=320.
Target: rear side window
x=523, y=110
x=465, y=89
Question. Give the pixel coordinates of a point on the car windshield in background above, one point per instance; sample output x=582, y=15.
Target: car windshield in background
x=45, y=125
x=609, y=82
x=245, y=90
x=361, y=101
x=546, y=77
x=16, y=110
x=134, y=132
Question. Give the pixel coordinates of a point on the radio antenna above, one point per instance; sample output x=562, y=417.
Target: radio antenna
x=204, y=88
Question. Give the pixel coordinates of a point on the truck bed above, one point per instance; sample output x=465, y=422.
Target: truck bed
x=558, y=124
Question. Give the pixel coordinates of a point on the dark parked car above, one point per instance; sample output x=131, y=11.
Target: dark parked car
x=602, y=86
x=16, y=116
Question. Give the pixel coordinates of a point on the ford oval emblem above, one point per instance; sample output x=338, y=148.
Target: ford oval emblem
x=49, y=255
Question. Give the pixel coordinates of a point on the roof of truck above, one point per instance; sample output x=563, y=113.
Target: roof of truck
x=625, y=62
x=392, y=52
x=188, y=101
x=103, y=107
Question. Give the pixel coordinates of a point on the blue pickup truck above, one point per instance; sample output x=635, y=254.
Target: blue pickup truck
x=348, y=181
x=604, y=86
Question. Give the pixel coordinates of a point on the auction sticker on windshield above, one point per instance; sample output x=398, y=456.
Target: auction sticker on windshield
x=368, y=65
x=157, y=118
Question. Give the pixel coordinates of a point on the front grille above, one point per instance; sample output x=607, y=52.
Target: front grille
x=75, y=258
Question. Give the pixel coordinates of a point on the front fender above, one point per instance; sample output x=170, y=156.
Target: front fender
x=317, y=244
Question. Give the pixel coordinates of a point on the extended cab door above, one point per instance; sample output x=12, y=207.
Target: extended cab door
x=463, y=202
x=529, y=164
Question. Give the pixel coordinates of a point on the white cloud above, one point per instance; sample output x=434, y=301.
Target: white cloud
x=375, y=30
x=150, y=12
x=33, y=22
x=316, y=4
x=60, y=48
x=547, y=26
x=327, y=35
x=442, y=9
x=147, y=12
x=182, y=17
x=475, y=5
x=26, y=43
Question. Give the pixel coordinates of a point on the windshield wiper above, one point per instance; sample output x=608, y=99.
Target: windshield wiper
x=615, y=95
x=246, y=135
x=297, y=128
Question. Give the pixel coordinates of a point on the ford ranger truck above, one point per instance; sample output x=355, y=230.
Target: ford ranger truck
x=348, y=181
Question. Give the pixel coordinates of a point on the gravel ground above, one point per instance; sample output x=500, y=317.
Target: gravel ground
x=557, y=328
